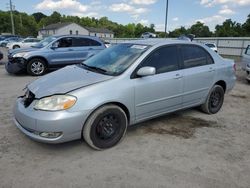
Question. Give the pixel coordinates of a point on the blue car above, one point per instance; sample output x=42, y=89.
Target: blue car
x=52, y=53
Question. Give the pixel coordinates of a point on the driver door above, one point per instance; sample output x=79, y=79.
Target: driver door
x=162, y=92
x=62, y=52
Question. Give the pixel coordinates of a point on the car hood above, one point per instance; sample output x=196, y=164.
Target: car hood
x=65, y=80
x=21, y=50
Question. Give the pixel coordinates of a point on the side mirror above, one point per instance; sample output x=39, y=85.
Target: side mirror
x=146, y=71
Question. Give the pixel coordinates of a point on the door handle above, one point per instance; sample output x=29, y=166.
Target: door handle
x=178, y=76
x=90, y=49
x=70, y=49
x=211, y=69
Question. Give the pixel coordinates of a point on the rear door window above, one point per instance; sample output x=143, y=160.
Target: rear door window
x=194, y=56
x=81, y=42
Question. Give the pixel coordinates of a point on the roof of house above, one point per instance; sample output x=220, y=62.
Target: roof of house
x=56, y=26
x=90, y=29
x=99, y=30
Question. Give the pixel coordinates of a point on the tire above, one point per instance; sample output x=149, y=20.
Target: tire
x=214, y=100
x=16, y=46
x=105, y=127
x=36, y=67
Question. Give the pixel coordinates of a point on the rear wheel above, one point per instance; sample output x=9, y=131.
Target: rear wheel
x=16, y=46
x=36, y=67
x=214, y=100
x=105, y=127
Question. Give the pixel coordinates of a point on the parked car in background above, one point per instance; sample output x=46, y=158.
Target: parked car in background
x=4, y=43
x=148, y=35
x=25, y=43
x=3, y=37
x=187, y=37
x=123, y=85
x=245, y=62
x=53, y=53
x=107, y=44
x=212, y=46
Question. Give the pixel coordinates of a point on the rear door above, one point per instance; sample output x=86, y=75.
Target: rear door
x=198, y=74
x=85, y=48
x=162, y=92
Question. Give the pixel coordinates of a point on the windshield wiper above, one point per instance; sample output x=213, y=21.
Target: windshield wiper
x=98, y=69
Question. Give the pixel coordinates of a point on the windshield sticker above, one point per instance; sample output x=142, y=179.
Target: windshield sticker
x=140, y=47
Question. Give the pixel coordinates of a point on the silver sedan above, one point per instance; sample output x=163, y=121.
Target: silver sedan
x=121, y=86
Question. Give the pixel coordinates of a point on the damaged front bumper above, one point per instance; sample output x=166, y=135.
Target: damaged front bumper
x=16, y=65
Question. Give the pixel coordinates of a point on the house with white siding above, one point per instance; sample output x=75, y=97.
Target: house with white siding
x=74, y=29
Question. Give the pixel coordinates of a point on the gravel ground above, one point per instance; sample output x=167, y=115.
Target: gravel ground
x=184, y=149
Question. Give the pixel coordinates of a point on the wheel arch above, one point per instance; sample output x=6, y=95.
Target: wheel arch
x=222, y=83
x=39, y=57
x=119, y=104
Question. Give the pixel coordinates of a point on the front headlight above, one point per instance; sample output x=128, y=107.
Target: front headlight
x=19, y=54
x=55, y=103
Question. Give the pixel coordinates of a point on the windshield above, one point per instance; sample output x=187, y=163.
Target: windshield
x=44, y=42
x=116, y=59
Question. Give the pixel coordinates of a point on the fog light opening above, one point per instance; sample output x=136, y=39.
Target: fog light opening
x=50, y=134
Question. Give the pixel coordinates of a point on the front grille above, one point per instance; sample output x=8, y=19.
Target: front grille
x=28, y=98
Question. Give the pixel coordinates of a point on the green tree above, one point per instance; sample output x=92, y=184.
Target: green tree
x=38, y=16
x=200, y=30
x=228, y=29
x=178, y=32
x=246, y=27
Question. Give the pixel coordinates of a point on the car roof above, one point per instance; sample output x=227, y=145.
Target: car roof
x=153, y=42
x=83, y=36
x=86, y=36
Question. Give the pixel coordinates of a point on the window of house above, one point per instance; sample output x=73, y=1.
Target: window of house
x=70, y=32
x=76, y=32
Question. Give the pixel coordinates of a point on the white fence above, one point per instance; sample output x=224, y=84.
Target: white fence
x=234, y=46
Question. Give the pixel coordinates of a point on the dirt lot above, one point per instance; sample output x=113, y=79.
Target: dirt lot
x=184, y=149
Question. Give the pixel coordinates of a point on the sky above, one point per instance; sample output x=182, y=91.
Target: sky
x=180, y=12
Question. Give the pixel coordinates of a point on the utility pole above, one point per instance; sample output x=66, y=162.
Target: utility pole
x=11, y=17
x=166, y=19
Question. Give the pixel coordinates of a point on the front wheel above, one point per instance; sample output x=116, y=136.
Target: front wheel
x=36, y=67
x=214, y=100
x=105, y=127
